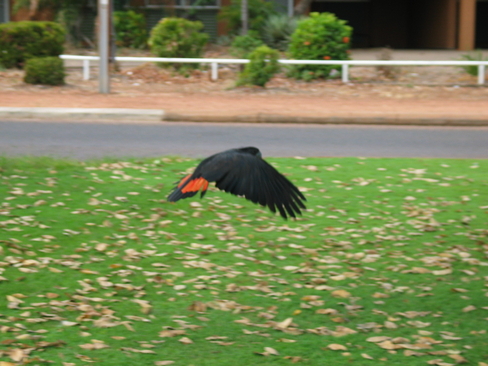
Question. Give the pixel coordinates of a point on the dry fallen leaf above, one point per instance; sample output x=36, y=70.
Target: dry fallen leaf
x=285, y=323
x=185, y=340
x=341, y=293
x=96, y=344
x=365, y=355
x=337, y=347
x=271, y=351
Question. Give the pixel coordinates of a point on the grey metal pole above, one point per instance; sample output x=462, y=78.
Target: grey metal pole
x=103, y=47
x=244, y=17
x=7, y=11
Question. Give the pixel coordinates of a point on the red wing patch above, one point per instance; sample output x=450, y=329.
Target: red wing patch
x=183, y=181
x=194, y=185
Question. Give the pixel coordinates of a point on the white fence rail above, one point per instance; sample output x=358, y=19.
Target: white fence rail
x=214, y=63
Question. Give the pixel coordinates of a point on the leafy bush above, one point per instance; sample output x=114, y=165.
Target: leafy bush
x=259, y=11
x=44, y=70
x=277, y=31
x=178, y=37
x=130, y=29
x=261, y=68
x=20, y=41
x=242, y=46
x=322, y=36
x=478, y=56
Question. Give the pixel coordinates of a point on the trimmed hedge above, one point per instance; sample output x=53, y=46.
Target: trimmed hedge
x=45, y=71
x=321, y=36
x=261, y=68
x=130, y=29
x=20, y=41
x=178, y=37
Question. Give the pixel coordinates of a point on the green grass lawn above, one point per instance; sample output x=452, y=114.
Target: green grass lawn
x=389, y=265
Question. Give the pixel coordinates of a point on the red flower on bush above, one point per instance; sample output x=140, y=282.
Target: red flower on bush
x=326, y=57
x=345, y=39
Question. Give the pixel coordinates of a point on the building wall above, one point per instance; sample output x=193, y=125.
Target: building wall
x=481, y=37
x=435, y=25
x=442, y=24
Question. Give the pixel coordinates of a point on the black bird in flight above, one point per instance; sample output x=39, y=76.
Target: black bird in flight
x=243, y=172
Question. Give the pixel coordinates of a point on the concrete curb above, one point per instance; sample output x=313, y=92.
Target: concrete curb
x=275, y=118
x=127, y=115
x=82, y=114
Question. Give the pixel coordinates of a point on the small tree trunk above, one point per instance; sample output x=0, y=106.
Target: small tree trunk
x=244, y=17
x=302, y=7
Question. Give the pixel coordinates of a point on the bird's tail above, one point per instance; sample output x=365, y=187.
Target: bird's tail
x=188, y=188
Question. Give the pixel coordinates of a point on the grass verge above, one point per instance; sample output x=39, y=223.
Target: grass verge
x=388, y=265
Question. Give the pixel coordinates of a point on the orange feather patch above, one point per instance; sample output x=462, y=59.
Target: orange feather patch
x=195, y=185
x=183, y=181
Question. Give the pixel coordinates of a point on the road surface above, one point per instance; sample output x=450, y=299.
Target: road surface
x=95, y=140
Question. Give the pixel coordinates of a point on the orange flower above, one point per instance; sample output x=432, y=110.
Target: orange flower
x=345, y=39
x=326, y=57
x=306, y=43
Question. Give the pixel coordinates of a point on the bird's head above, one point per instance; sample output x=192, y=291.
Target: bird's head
x=251, y=150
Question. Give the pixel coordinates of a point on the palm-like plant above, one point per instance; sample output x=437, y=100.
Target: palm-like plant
x=277, y=31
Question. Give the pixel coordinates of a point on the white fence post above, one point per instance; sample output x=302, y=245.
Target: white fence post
x=345, y=73
x=481, y=74
x=214, y=71
x=214, y=63
x=86, y=69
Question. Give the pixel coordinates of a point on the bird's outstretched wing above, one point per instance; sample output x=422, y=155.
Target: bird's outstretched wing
x=243, y=174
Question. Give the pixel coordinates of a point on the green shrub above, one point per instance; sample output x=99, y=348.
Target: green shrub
x=178, y=37
x=259, y=11
x=478, y=56
x=277, y=31
x=322, y=36
x=261, y=68
x=44, y=70
x=20, y=41
x=130, y=29
x=242, y=46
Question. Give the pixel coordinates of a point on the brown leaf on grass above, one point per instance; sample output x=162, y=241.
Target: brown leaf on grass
x=271, y=351
x=198, y=306
x=366, y=356
x=337, y=347
x=458, y=358
x=164, y=363
x=185, y=340
x=172, y=333
x=439, y=362
x=293, y=359
x=341, y=294
x=379, y=295
x=96, y=344
x=285, y=323
x=17, y=354
x=442, y=272
x=388, y=345
x=378, y=339
x=327, y=311
x=129, y=349
x=146, y=307
x=409, y=352
x=469, y=308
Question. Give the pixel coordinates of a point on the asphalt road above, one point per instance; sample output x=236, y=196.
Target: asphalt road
x=95, y=140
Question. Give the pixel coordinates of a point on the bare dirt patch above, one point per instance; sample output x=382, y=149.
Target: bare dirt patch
x=408, y=91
